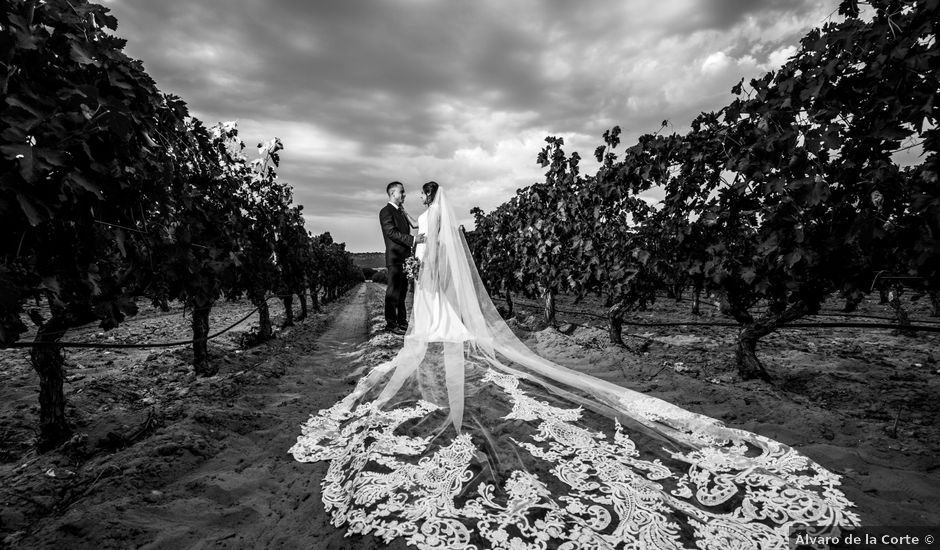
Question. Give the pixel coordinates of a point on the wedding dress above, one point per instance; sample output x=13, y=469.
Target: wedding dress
x=468, y=439
x=435, y=317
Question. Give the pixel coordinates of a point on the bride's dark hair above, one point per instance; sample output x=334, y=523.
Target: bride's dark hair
x=430, y=189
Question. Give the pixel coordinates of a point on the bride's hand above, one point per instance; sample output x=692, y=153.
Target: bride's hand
x=420, y=238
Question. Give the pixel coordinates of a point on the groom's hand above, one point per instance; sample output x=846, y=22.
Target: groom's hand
x=420, y=238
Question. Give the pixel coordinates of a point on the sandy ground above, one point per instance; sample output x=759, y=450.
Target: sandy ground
x=164, y=459
x=216, y=472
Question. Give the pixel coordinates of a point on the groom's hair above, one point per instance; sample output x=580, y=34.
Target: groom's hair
x=389, y=187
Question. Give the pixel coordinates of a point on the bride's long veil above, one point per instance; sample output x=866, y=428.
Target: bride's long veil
x=467, y=438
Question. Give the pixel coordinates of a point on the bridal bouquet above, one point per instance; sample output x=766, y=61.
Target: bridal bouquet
x=412, y=268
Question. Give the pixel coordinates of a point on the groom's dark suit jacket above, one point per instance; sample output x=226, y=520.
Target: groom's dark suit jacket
x=398, y=239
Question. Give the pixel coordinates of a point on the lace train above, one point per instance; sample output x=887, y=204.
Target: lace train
x=542, y=475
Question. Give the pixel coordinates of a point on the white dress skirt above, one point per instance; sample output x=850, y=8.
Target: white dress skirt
x=435, y=318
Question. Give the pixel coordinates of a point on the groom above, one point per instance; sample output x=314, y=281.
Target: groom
x=396, y=228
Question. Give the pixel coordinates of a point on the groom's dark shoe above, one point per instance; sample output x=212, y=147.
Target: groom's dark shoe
x=390, y=328
x=399, y=331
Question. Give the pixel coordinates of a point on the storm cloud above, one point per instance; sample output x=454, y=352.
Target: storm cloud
x=362, y=93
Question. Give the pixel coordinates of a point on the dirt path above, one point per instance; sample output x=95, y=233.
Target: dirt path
x=250, y=493
x=253, y=494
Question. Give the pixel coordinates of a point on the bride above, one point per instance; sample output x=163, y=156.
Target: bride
x=468, y=439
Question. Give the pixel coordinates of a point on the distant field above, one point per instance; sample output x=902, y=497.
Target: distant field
x=369, y=259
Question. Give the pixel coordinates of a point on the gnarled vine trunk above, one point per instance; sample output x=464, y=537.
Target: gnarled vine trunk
x=288, y=310
x=904, y=321
x=315, y=297
x=200, y=324
x=303, y=304
x=749, y=366
x=615, y=324
x=548, y=306
x=852, y=300
x=509, y=304
x=677, y=291
x=49, y=365
x=697, y=288
x=264, y=316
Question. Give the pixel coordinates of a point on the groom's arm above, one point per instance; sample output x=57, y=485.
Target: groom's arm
x=392, y=232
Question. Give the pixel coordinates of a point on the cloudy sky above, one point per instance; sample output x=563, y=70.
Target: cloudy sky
x=461, y=92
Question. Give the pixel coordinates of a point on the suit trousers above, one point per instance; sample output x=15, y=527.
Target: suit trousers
x=395, y=292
